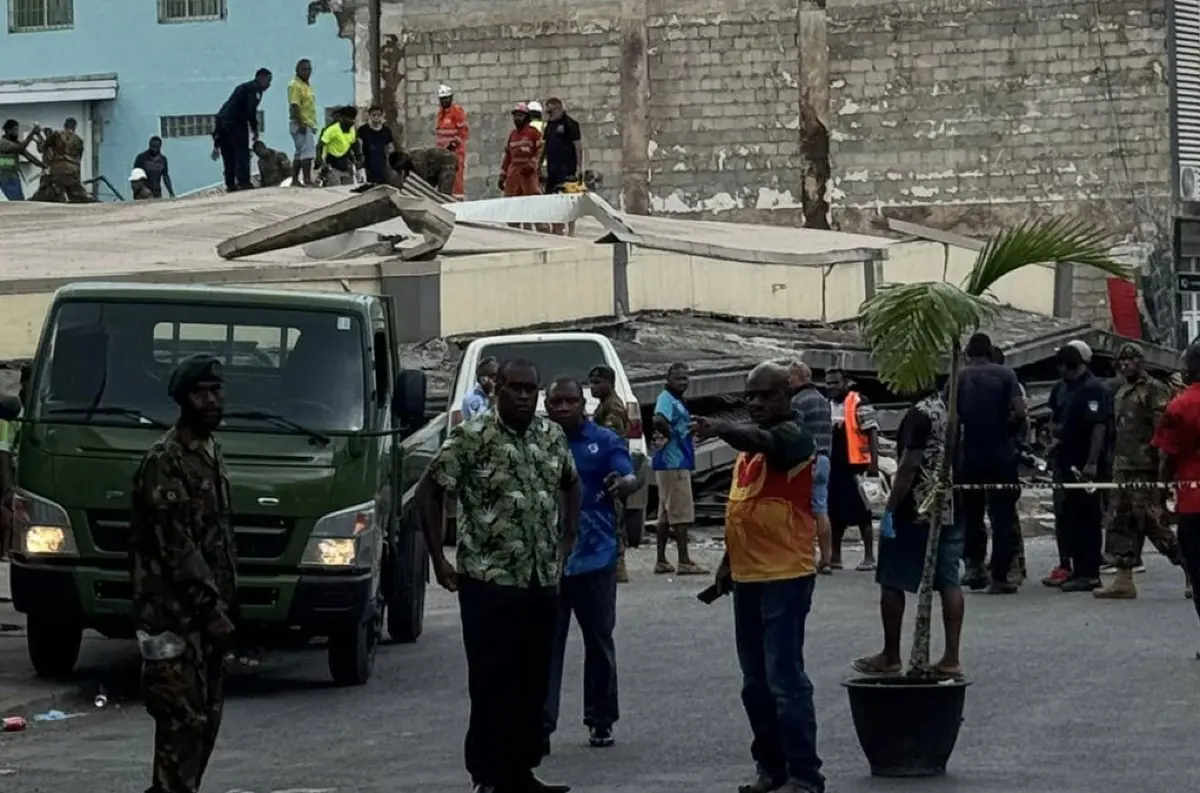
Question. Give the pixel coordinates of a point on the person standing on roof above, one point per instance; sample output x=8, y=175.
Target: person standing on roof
x=612, y=414
x=302, y=122
x=563, y=152
x=537, y=118
x=1135, y=515
x=674, y=459
x=154, y=164
x=815, y=416
x=12, y=150
x=237, y=126
x=375, y=138
x=522, y=155
x=854, y=452
x=479, y=399
x=452, y=132
x=337, y=149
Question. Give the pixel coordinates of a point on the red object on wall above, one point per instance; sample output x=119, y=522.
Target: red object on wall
x=1123, y=305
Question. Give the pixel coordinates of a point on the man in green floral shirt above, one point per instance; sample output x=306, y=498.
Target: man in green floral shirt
x=510, y=470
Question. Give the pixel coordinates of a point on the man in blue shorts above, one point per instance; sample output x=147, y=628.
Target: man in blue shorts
x=813, y=414
x=922, y=444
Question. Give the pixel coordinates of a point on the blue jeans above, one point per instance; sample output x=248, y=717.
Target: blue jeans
x=820, y=484
x=769, y=621
x=592, y=598
x=11, y=187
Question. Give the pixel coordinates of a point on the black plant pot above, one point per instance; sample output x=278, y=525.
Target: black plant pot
x=907, y=728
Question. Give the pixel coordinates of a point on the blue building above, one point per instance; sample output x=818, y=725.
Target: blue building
x=131, y=69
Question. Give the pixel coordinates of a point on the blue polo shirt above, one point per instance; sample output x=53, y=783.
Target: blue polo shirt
x=598, y=452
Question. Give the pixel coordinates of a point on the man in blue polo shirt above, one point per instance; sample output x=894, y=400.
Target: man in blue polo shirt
x=588, y=588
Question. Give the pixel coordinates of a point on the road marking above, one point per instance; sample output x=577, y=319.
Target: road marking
x=290, y=790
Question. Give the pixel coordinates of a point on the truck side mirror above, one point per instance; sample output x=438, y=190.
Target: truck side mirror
x=408, y=397
x=10, y=408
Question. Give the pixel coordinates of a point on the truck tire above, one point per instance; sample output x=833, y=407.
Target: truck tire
x=635, y=527
x=406, y=592
x=352, y=651
x=53, y=645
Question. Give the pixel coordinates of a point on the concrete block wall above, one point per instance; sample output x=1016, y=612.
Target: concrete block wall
x=963, y=114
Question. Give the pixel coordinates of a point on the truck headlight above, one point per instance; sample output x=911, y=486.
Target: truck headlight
x=42, y=527
x=348, y=538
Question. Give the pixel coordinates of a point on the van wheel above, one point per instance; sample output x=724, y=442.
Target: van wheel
x=53, y=645
x=406, y=593
x=352, y=652
x=635, y=527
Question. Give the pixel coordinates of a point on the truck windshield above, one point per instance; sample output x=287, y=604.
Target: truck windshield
x=566, y=358
x=110, y=362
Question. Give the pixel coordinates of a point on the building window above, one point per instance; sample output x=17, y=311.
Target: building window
x=1190, y=301
x=196, y=126
x=190, y=10
x=25, y=16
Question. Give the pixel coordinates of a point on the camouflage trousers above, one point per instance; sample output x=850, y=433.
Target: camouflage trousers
x=1133, y=517
x=61, y=188
x=185, y=696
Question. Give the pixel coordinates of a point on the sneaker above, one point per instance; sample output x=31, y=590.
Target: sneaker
x=1058, y=576
x=763, y=784
x=1108, y=569
x=1081, y=585
x=600, y=737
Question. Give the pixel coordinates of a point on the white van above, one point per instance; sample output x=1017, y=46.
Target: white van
x=564, y=354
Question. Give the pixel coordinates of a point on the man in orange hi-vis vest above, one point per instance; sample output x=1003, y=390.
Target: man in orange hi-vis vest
x=855, y=452
x=452, y=135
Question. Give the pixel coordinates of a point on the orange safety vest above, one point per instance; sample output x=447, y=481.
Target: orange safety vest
x=858, y=451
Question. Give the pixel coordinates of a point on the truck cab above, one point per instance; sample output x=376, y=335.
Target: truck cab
x=319, y=419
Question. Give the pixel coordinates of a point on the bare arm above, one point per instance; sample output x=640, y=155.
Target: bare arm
x=906, y=475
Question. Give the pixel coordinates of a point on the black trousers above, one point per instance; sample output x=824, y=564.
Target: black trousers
x=234, y=143
x=592, y=598
x=1001, y=509
x=508, y=633
x=1081, y=519
x=1189, y=546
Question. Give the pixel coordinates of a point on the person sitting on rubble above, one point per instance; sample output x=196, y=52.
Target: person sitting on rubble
x=435, y=166
x=139, y=184
x=337, y=149
x=273, y=166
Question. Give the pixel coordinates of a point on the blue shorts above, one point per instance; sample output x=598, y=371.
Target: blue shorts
x=901, y=558
x=820, y=485
x=305, y=142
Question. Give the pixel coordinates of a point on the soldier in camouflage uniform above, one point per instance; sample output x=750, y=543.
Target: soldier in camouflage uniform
x=1136, y=514
x=436, y=166
x=611, y=414
x=273, y=166
x=183, y=578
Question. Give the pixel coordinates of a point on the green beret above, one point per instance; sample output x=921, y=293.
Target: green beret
x=1130, y=350
x=191, y=371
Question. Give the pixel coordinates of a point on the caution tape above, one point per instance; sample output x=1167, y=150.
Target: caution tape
x=1087, y=486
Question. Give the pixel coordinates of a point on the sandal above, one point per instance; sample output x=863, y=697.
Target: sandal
x=664, y=568
x=836, y=566
x=691, y=568
x=871, y=667
x=865, y=566
x=824, y=569
x=943, y=673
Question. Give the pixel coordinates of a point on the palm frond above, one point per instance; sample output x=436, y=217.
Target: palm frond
x=1038, y=242
x=910, y=327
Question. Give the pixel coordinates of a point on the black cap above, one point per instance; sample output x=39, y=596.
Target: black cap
x=191, y=371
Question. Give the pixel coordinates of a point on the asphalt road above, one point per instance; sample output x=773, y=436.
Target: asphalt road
x=1070, y=695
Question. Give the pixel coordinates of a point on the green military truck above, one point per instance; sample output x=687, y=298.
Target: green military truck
x=320, y=437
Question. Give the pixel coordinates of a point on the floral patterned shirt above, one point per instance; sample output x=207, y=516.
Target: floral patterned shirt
x=508, y=485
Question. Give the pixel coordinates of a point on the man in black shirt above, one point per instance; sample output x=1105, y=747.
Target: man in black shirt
x=375, y=139
x=237, y=126
x=563, y=147
x=990, y=408
x=1083, y=430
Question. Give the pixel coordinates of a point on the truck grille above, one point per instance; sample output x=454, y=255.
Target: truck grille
x=258, y=537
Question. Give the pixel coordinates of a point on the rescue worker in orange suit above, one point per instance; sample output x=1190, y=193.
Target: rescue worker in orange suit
x=452, y=136
x=522, y=156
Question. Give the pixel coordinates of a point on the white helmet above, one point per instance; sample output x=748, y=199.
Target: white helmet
x=136, y=175
x=1085, y=351
x=535, y=106
x=445, y=91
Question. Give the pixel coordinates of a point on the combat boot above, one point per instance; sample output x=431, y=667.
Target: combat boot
x=1121, y=587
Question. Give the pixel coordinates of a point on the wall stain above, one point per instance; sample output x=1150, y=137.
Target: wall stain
x=817, y=173
x=391, y=81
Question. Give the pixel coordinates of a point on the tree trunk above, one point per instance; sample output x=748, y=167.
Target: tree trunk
x=918, y=664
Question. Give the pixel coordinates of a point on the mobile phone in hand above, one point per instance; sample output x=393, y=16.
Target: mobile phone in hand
x=711, y=593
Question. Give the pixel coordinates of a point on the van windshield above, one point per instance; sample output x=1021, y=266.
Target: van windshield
x=567, y=358
x=110, y=362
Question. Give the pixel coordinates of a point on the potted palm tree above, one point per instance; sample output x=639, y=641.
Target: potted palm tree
x=908, y=725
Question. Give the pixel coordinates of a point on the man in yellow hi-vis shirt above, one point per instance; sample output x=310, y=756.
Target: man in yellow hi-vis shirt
x=302, y=113
x=337, y=150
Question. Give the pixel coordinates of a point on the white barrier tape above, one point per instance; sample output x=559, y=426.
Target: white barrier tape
x=1088, y=486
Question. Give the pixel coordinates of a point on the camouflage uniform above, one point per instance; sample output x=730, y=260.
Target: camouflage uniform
x=611, y=414
x=62, y=181
x=273, y=167
x=1138, y=514
x=436, y=166
x=183, y=580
